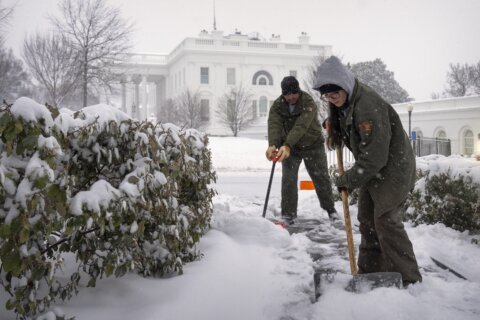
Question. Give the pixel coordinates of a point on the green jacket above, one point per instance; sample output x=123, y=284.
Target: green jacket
x=384, y=159
x=299, y=129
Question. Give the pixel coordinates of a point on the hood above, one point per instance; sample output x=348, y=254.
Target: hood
x=332, y=71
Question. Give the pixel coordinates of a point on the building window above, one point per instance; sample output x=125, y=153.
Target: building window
x=204, y=75
x=205, y=109
x=231, y=76
x=262, y=74
x=468, y=143
x=262, y=81
x=418, y=132
x=262, y=106
x=254, y=109
x=293, y=73
x=441, y=134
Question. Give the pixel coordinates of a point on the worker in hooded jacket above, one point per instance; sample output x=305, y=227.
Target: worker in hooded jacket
x=384, y=168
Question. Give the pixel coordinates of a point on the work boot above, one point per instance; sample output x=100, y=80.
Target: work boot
x=333, y=215
x=407, y=283
x=288, y=219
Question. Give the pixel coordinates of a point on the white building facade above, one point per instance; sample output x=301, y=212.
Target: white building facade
x=212, y=64
x=456, y=119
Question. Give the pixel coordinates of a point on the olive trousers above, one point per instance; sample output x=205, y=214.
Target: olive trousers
x=315, y=160
x=385, y=246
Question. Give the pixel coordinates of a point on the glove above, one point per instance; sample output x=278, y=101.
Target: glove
x=283, y=153
x=271, y=153
x=341, y=183
x=326, y=124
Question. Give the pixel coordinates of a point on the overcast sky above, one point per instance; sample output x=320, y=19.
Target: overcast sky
x=416, y=39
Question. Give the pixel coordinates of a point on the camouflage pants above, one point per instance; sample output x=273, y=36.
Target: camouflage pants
x=315, y=161
x=385, y=245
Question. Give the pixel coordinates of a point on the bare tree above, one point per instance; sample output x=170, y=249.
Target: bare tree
x=5, y=15
x=476, y=77
x=189, y=109
x=458, y=80
x=53, y=63
x=99, y=35
x=14, y=79
x=169, y=113
x=235, y=109
x=309, y=82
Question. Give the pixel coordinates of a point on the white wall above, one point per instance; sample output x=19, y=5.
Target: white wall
x=453, y=115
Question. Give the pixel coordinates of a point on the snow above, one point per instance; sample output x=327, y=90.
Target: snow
x=32, y=111
x=101, y=193
x=253, y=269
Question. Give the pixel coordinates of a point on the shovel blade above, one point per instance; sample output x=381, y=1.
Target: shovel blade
x=369, y=281
x=359, y=283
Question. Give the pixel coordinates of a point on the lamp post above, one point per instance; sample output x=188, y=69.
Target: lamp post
x=410, y=109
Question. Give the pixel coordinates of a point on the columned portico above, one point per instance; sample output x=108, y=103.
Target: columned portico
x=142, y=95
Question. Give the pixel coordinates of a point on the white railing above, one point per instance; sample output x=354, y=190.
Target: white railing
x=252, y=44
x=147, y=58
x=231, y=43
x=204, y=42
x=332, y=157
x=293, y=46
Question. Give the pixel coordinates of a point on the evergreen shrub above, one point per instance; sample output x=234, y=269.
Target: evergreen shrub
x=118, y=194
x=442, y=197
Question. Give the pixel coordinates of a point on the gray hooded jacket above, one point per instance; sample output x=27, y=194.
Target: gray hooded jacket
x=372, y=130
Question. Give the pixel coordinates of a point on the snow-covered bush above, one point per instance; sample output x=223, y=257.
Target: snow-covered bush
x=448, y=192
x=119, y=194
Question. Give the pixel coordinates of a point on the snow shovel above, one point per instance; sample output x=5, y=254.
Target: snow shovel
x=269, y=187
x=359, y=282
x=277, y=222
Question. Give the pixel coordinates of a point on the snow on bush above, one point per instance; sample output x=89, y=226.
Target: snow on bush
x=119, y=194
x=448, y=192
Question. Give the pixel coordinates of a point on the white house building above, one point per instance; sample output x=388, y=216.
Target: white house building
x=212, y=64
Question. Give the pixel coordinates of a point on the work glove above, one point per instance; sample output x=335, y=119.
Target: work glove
x=341, y=183
x=283, y=153
x=326, y=124
x=271, y=153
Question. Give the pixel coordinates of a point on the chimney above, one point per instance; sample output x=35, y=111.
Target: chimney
x=304, y=38
x=275, y=38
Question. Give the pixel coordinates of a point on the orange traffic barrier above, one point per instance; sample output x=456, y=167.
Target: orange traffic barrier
x=306, y=185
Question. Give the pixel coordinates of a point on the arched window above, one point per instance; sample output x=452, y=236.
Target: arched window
x=441, y=134
x=263, y=76
x=262, y=106
x=467, y=142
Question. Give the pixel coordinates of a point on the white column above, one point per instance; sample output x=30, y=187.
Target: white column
x=136, y=100
x=123, y=102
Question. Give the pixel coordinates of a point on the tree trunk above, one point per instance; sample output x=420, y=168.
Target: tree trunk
x=85, y=78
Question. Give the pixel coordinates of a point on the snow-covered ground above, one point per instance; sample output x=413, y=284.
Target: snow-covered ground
x=252, y=269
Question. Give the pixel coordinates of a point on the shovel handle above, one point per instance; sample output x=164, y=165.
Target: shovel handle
x=346, y=215
x=268, y=189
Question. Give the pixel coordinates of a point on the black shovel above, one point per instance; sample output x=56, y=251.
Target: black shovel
x=359, y=282
x=269, y=187
x=277, y=222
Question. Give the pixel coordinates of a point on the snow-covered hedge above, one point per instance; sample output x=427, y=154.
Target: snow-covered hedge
x=119, y=194
x=448, y=192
